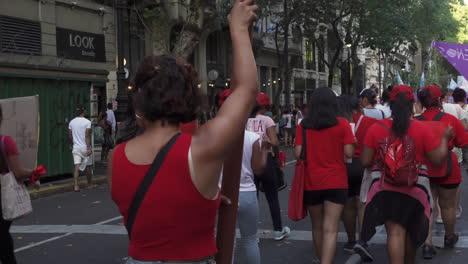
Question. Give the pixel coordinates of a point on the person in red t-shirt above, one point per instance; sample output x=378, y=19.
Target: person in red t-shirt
x=175, y=218
x=350, y=109
x=444, y=188
x=9, y=161
x=328, y=140
x=405, y=210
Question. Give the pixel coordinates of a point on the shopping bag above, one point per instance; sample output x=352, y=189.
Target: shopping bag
x=16, y=201
x=296, y=209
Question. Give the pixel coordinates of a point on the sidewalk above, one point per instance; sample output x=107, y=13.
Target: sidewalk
x=66, y=185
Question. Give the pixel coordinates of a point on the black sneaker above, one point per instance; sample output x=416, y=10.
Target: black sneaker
x=361, y=248
x=449, y=242
x=349, y=247
x=428, y=251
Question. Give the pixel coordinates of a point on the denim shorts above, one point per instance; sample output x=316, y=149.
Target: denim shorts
x=134, y=261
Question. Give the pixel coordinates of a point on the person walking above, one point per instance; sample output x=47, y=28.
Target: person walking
x=350, y=109
x=79, y=132
x=329, y=138
x=187, y=168
x=111, y=119
x=384, y=105
x=254, y=162
x=107, y=142
x=288, y=117
x=445, y=179
x=9, y=161
x=368, y=100
x=399, y=196
x=268, y=182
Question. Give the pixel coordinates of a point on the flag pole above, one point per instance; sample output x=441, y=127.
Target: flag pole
x=227, y=216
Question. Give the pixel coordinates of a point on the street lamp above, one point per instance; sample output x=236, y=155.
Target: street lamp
x=122, y=96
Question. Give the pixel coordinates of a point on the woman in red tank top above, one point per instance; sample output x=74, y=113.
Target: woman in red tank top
x=176, y=218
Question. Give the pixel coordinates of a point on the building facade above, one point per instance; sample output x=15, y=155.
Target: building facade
x=62, y=51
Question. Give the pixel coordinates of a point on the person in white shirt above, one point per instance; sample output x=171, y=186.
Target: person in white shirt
x=384, y=104
x=254, y=161
x=288, y=128
x=79, y=132
x=111, y=118
x=368, y=99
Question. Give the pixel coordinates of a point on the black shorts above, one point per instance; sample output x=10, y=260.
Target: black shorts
x=355, y=174
x=449, y=186
x=338, y=196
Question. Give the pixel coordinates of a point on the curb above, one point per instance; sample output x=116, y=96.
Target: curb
x=63, y=188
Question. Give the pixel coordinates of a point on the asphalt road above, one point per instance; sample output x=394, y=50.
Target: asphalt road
x=85, y=227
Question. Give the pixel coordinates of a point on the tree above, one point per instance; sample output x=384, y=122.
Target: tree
x=176, y=27
x=286, y=15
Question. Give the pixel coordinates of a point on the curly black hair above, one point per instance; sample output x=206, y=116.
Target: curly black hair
x=166, y=89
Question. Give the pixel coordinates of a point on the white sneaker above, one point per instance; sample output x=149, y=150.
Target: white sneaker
x=280, y=235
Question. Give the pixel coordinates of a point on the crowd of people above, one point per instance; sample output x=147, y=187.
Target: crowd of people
x=371, y=160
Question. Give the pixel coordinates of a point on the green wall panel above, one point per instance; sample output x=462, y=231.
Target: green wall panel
x=57, y=101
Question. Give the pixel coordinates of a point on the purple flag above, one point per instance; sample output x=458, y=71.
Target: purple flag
x=456, y=54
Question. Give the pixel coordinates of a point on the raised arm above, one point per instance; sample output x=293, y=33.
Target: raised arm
x=213, y=142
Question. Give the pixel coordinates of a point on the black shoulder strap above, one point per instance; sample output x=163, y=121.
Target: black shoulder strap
x=439, y=116
x=304, y=144
x=3, y=162
x=385, y=126
x=421, y=118
x=146, y=183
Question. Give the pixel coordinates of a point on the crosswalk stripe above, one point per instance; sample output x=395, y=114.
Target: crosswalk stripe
x=379, y=238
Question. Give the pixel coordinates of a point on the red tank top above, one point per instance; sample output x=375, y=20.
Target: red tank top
x=175, y=222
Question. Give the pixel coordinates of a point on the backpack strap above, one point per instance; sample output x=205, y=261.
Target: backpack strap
x=3, y=161
x=421, y=118
x=439, y=116
x=146, y=183
x=385, y=126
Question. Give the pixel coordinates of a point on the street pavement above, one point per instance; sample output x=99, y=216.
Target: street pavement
x=86, y=227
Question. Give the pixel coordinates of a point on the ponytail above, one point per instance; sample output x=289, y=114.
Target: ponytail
x=401, y=113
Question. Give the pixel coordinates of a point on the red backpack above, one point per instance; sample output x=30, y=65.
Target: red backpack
x=398, y=159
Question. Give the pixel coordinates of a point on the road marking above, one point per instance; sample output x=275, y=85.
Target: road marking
x=109, y=220
x=290, y=162
x=42, y=242
x=46, y=229
x=380, y=238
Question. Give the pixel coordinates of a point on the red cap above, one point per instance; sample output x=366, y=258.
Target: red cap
x=223, y=96
x=263, y=99
x=434, y=90
x=402, y=89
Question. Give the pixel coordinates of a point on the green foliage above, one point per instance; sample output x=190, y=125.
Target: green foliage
x=460, y=14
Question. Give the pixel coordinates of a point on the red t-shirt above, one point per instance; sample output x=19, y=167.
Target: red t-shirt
x=460, y=139
x=423, y=137
x=10, y=149
x=325, y=156
x=361, y=132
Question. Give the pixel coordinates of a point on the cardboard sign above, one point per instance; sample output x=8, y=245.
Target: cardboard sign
x=21, y=122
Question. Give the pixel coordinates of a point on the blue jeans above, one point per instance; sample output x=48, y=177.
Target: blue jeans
x=134, y=261
x=247, y=220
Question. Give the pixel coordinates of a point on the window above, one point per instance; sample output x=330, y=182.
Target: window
x=20, y=36
x=309, y=55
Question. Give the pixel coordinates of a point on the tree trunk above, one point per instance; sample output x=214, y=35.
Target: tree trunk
x=287, y=74
x=187, y=41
